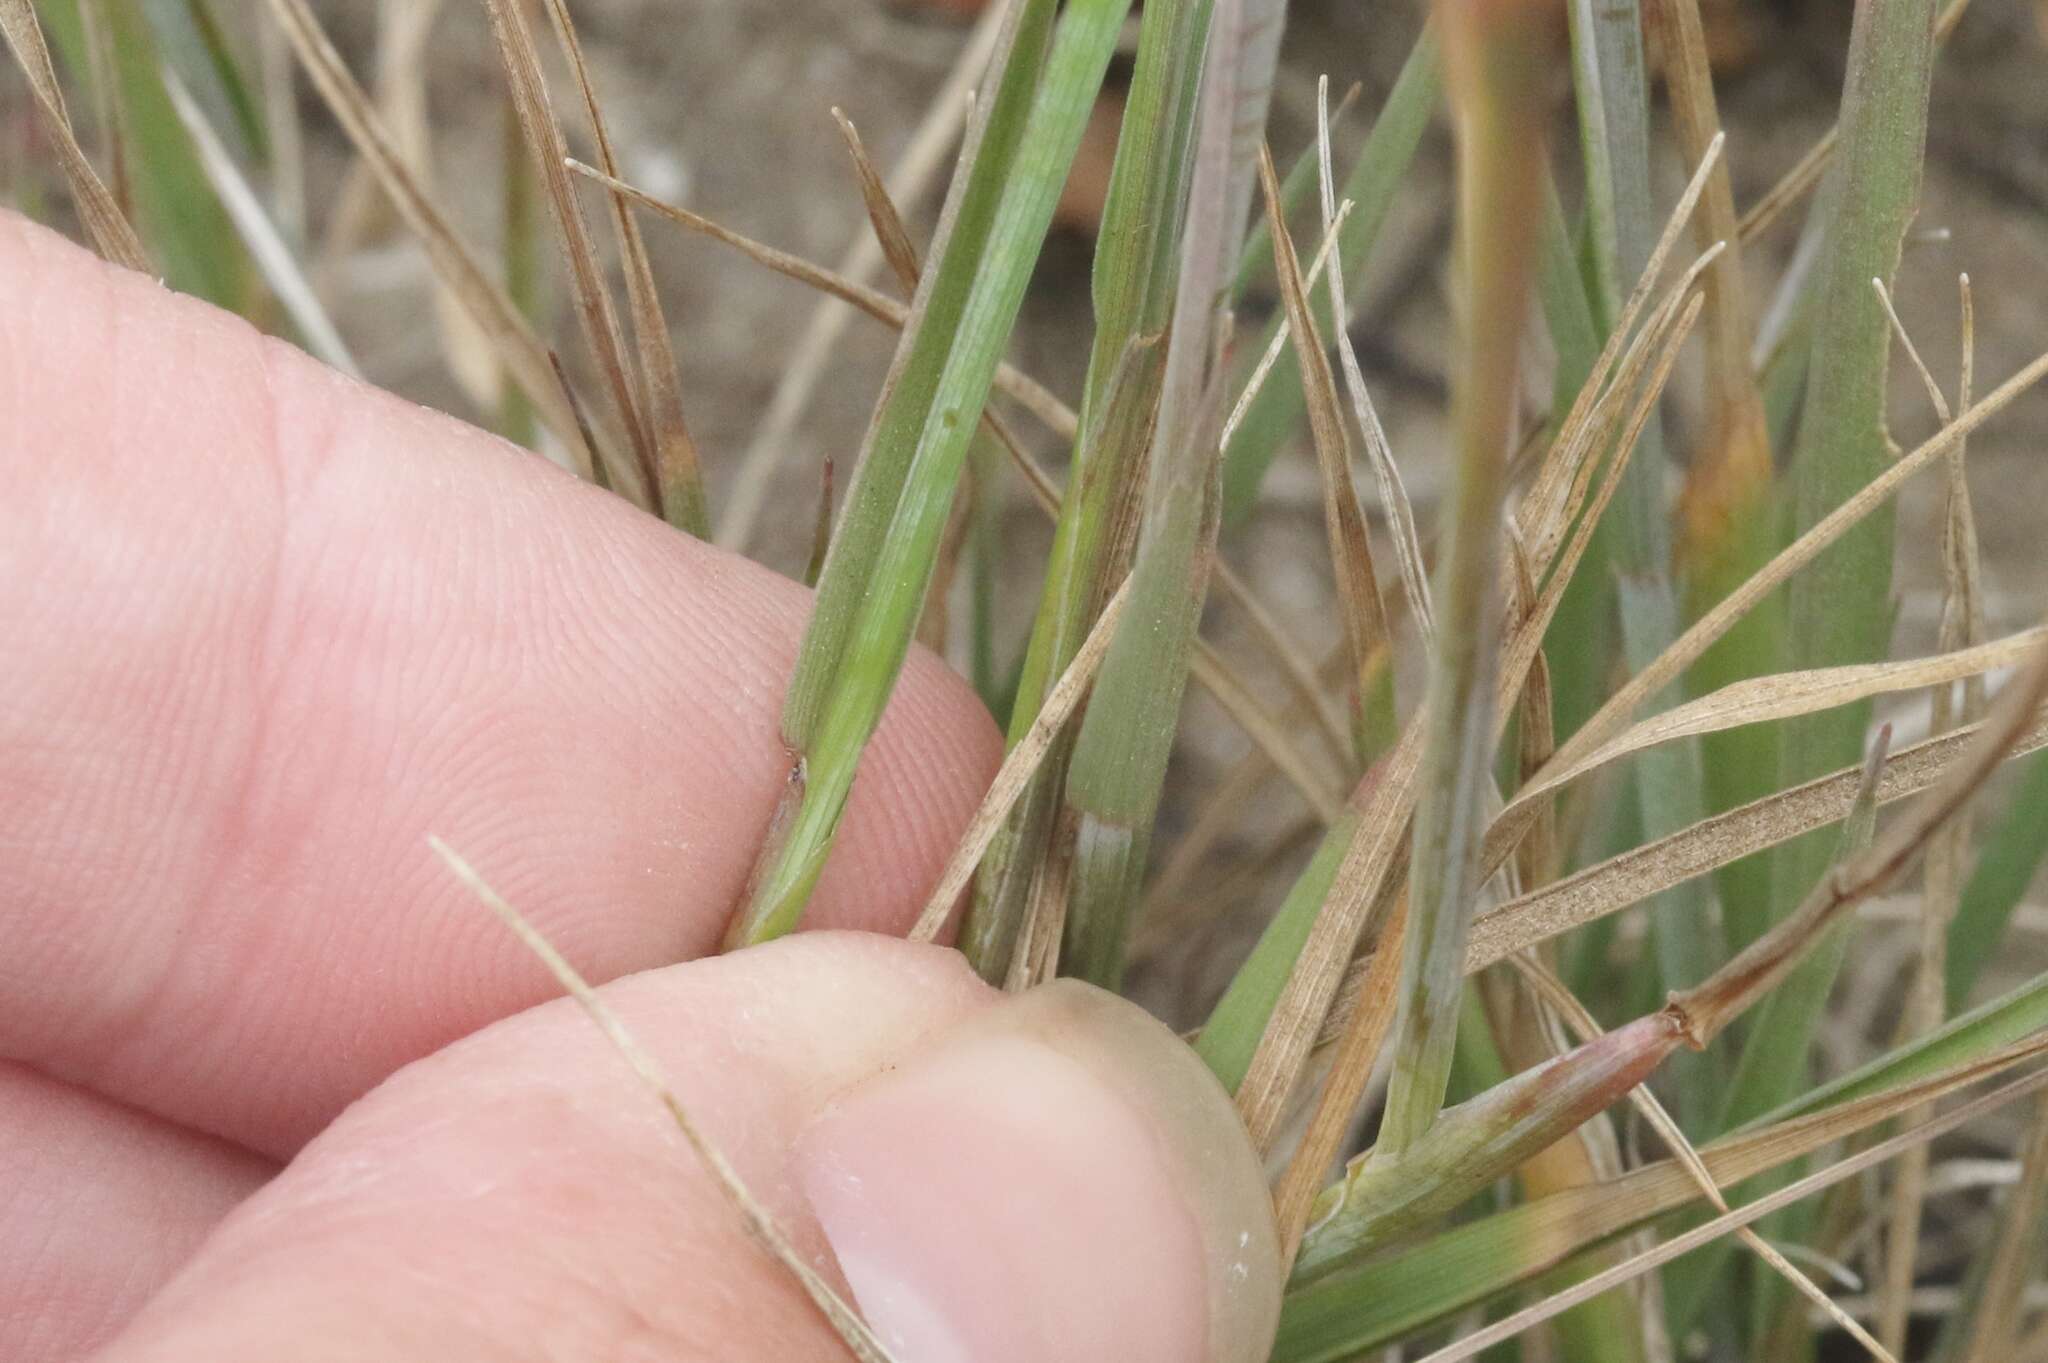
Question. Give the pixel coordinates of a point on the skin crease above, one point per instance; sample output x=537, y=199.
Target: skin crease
x=269, y=629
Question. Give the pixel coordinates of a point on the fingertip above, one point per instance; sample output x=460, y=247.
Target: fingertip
x=1012, y=1191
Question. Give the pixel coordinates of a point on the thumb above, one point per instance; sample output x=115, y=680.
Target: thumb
x=989, y=1178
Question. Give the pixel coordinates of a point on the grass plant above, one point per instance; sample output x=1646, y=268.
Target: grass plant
x=1583, y=757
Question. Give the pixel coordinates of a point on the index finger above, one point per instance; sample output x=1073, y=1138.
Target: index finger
x=267, y=629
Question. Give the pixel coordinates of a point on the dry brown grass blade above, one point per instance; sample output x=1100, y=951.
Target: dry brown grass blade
x=102, y=216
x=1358, y=592
x=398, y=89
x=1575, y=429
x=890, y=234
x=363, y=210
x=1630, y=877
x=1993, y=1334
x=1707, y=1007
x=1525, y=643
x=639, y=478
x=678, y=475
x=1037, y=958
x=1316, y=1007
x=1731, y=462
x=1271, y=355
x=1905, y=339
x=757, y=1219
x=1019, y=766
x=106, y=103
x=1551, y=506
x=1379, y=454
x=1365, y=1033
x=1626, y=879
x=1384, y=801
x=1783, y=695
x=1583, y=1025
x=1539, y=859
x=1614, y=713
x=1033, y=396
x=453, y=261
x=1593, y=1286
x=923, y=159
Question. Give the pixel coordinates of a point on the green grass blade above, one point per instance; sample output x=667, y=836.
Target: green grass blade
x=1374, y=179
x=1357, y=1309
x=2012, y=852
x=1583, y=636
x=1231, y=1035
x=1120, y=754
x=179, y=217
x=1839, y=609
x=875, y=578
x=1132, y=289
x=199, y=49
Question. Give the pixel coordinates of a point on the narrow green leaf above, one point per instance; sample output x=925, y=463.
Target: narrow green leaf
x=1120, y=754
x=1839, y=609
x=177, y=213
x=1356, y=1309
x=2012, y=852
x=1133, y=294
x=1231, y=1036
x=881, y=560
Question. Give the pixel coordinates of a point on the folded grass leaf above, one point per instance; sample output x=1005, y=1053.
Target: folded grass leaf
x=874, y=582
x=1132, y=289
x=1119, y=767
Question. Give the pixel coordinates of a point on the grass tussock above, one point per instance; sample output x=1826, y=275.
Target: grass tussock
x=1586, y=779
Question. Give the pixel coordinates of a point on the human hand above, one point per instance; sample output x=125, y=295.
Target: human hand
x=268, y=1089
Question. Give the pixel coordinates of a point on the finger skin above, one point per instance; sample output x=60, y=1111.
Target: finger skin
x=268, y=629
x=992, y=1178
x=519, y=1196
x=99, y=1205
